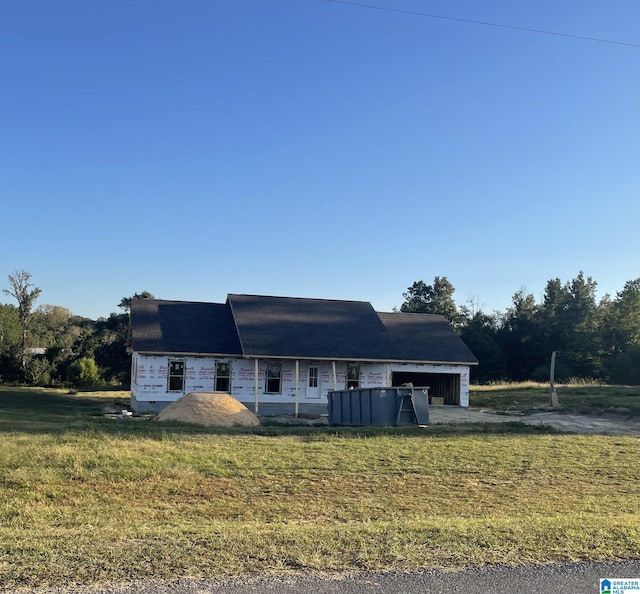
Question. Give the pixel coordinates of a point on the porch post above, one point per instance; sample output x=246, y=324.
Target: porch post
x=335, y=378
x=297, y=385
x=255, y=385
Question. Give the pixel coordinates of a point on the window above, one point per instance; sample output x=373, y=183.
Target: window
x=176, y=376
x=353, y=376
x=313, y=377
x=273, y=379
x=223, y=376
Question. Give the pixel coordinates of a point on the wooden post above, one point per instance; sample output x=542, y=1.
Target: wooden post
x=297, y=385
x=335, y=377
x=256, y=385
x=553, y=395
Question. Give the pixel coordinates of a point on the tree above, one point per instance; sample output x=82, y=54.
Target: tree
x=38, y=371
x=55, y=329
x=519, y=336
x=83, y=372
x=434, y=299
x=22, y=292
x=479, y=334
x=106, y=341
x=54, y=326
x=9, y=343
x=9, y=328
x=111, y=354
x=125, y=302
x=569, y=320
x=622, y=319
x=621, y=335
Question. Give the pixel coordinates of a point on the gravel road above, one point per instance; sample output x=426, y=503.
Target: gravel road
x=572, y=578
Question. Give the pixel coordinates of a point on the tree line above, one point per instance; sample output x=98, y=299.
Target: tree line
x=49, y=345
x=593, y=339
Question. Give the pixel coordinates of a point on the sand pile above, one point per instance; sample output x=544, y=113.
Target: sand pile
x=211, y=409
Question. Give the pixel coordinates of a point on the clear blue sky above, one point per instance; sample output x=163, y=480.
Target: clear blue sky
x=194, y=148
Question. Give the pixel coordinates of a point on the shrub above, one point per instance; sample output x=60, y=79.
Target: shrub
x=83, y=372
x=38, y=372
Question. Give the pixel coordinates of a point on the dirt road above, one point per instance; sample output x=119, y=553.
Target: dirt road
x=558, y=420
x=573, y=423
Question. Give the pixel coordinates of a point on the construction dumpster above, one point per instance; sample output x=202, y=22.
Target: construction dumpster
x=379, y=406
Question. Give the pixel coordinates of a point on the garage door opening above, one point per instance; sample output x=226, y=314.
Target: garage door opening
x=443, y=387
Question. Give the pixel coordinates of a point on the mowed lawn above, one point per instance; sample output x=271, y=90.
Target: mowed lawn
x=85, y=499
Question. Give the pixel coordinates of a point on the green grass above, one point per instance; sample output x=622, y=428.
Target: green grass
x=85, y=499
x=42, y=409
x=582, y=398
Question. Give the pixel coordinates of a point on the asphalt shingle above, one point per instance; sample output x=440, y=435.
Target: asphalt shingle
x=289, y=327
x=159, y=326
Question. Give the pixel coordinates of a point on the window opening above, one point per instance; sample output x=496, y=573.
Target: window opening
x=223, y=376
x=273, y=383
x=176, y=376
x=353, y=376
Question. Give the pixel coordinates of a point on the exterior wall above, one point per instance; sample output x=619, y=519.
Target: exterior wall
x=464, y=387
x=149, y=380
x=374, y=375
x=149, y=376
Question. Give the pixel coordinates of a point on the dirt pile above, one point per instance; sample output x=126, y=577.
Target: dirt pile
x=211, y=409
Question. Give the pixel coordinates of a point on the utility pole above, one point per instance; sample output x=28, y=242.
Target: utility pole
x=553, y=395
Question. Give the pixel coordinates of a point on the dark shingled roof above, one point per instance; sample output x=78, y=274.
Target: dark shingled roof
x=288, y=327
x=182, y=327
x=308, y=328
x=425, y=337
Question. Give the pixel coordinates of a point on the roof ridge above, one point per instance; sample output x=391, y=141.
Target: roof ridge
x=298, y=298
x=157, y=300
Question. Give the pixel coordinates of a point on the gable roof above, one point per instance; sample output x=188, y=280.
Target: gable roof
x=425, y=337
x=159, y=326
x=316, y=328
x=288, y=327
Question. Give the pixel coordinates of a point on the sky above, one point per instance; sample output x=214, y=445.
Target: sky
x=314, y=148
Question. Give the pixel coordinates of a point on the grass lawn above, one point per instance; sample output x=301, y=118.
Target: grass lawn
x=582, y=398
x=86, y=499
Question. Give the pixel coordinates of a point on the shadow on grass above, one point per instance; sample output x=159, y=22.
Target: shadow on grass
x=51, y=412
x=45, y=411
